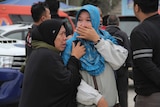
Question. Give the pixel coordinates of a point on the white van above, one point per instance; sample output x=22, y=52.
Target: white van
x=12, y=54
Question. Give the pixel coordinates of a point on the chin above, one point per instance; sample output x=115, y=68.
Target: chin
x=62, y=49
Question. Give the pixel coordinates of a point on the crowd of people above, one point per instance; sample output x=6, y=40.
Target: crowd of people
x=90, y=68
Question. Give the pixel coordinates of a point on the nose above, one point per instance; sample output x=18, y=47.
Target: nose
x=64, y=37
x=83, y=23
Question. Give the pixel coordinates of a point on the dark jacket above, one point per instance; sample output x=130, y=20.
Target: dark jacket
x=51, y=84
x=146, y=56
x=28, y=40
x=122, y=40
x=47, y=81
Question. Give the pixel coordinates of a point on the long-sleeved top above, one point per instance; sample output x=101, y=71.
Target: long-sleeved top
x=47, y=82
x=122, y=40
x=114, y=56
x=100, y=60
x=146, y=56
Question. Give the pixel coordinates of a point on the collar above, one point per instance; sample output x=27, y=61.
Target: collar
x=40, y=44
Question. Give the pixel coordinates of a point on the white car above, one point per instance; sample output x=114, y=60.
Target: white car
x=12, y=54
x=15, y=31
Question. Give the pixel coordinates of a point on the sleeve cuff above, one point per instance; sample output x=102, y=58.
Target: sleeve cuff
x=99, y=96
x=87, y=95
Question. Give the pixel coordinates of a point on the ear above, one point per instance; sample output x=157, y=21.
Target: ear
x=43, y=18
x=136, y=8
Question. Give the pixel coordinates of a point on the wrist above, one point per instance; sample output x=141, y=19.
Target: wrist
x=97, y=41
x=75, y=56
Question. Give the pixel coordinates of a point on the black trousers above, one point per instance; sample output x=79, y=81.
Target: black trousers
x=122, y=86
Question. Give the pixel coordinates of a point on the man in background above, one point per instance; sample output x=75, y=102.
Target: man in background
x=122, y=73
x=146, y=53
x=54, y=6
x=40, y=12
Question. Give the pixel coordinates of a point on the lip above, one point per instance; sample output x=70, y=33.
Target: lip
x=64, y=45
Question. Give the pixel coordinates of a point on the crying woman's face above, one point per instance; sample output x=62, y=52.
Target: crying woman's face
x=84, y=19
x=60, y=41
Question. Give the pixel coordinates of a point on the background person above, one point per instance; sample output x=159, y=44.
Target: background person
x=40, y=12
x=99, y=61
x=122, y=72
x=101, y=19
x=54, y=6
x=146, y=50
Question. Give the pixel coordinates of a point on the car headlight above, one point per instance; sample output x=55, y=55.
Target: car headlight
x=6, y=61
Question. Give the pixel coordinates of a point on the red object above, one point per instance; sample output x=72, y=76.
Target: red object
x=103, y=27
x=7, y=10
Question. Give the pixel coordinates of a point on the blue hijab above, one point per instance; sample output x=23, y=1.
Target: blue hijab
x=92, y=62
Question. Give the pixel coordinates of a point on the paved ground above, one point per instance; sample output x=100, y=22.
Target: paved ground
x=131, y=94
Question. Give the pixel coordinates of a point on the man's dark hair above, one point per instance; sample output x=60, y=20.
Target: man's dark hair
x=147, y=6
x=37, y=10
x=112, y=20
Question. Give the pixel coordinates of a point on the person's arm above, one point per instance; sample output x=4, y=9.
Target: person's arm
x=87, y=95
x=143, y=57
x=127, y=45
x=102, y=103
x=114, y=54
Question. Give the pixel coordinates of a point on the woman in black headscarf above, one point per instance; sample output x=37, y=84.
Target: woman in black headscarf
x=47, y=81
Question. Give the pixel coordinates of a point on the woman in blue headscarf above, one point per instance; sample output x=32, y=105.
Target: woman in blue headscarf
x=102, y=56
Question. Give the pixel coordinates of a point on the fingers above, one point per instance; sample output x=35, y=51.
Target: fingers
x=79, y=43
x=82, y=30
x=78, y=50
x=76, y=45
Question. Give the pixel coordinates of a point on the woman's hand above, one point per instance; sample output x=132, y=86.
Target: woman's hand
x=78, y=50
x=87, y=33
x=102, y=103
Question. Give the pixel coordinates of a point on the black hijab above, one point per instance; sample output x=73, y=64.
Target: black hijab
x=47, y=31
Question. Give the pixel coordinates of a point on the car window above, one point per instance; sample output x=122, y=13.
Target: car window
x=128, y=26
x=128, y=23
x=20, y=18
x=20, y=35
x=1, y=31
